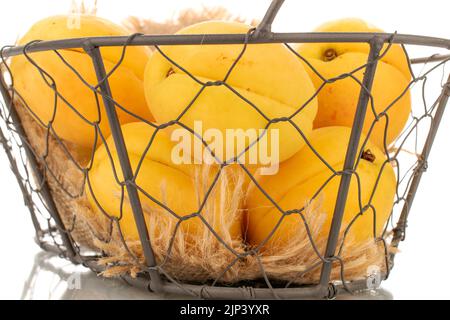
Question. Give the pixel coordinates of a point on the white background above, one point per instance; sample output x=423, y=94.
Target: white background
x=422, y=265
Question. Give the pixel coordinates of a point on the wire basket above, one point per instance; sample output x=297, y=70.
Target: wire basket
x=52, y=203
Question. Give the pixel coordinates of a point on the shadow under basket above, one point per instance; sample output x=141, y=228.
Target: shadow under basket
x=52, y=175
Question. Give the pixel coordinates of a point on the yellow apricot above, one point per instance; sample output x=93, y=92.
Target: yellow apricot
x=338, y=100
x=268, y=78
x=298, y=184
x=126, y=82
x=163, y=184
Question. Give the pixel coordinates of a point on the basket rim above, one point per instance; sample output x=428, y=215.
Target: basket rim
x=209, y=39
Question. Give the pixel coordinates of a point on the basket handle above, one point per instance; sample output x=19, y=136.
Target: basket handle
x=265, y=26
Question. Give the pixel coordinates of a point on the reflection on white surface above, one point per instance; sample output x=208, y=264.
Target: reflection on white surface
x=57, y=279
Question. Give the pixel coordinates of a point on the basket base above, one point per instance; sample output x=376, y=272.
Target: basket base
x=78, y=283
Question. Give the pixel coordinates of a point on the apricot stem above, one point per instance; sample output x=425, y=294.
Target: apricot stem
x=368, y=155
x=330, y=54
x=170, y=72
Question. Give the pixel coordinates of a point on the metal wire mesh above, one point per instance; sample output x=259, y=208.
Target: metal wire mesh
x=52, y=233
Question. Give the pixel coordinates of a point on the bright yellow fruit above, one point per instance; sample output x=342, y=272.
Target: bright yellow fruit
x=302, y=176
x=126, y=82
x=338, y=100
x=178, y=187
x=268, y=76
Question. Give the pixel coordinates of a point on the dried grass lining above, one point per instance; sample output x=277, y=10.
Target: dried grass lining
x=194, y=259
x=184, y=18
